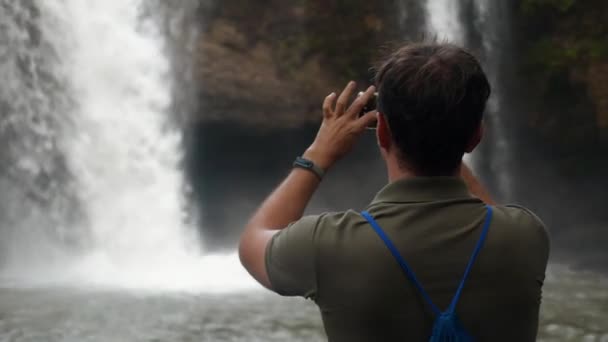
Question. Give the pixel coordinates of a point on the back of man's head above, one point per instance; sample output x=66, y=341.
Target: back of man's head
x=433, y=97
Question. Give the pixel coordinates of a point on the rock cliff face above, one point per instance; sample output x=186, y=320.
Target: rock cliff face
x=241, y=81
x=270, y=63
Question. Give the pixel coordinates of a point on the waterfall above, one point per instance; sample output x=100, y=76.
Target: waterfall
x=94, y=146
x=481, y=25
x=37, y=205
x=443, y=20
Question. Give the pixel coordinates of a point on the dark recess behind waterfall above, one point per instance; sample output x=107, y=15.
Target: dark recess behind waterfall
x=235, y=163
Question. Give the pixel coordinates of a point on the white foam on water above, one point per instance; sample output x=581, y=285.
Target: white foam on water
x=213, y=274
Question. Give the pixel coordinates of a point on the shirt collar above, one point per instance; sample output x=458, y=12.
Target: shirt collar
x=422, y=189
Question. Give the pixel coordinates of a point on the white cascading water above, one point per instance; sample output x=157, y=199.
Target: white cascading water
x=123, y=155
x=444, y=21
x=491, y=22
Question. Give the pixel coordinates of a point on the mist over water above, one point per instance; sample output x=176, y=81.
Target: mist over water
x=110, y=151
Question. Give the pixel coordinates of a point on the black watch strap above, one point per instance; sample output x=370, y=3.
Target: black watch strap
x=306, y=164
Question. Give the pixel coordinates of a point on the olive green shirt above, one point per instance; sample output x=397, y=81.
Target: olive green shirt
x=337, y=260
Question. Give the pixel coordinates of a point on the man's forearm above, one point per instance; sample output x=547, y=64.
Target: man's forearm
x=284, y=206
x=474, y=185
x=341, y=128
x=287, y=203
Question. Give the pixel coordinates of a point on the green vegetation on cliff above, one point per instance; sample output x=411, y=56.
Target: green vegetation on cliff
x=566, y=47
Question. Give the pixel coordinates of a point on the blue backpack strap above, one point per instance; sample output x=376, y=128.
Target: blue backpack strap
x=482, y=239
x=406, y=268
x=410, y=274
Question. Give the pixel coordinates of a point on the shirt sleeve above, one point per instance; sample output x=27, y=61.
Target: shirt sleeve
x=290, y=259
x=537, y=245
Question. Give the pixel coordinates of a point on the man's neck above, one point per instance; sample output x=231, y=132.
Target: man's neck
x=397, y=171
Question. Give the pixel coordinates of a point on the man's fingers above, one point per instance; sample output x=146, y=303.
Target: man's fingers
x=328, y=104
x=361, y=101
x=367, y=120
x=347, y=93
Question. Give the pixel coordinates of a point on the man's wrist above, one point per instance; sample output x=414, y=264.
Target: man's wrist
x=320, y=159
x=309, y=165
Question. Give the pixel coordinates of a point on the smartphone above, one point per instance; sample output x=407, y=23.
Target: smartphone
x=370, y=106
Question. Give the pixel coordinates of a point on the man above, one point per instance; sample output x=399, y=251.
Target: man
x=431, y=98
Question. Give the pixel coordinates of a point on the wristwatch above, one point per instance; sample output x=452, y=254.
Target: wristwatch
x=306, y=164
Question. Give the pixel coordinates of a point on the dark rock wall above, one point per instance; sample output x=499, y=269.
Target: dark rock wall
x=271, y=62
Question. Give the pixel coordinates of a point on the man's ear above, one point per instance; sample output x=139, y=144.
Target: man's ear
x=383, y=133
x=475, y=139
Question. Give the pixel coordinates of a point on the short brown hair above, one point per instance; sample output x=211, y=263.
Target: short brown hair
x=433, y=96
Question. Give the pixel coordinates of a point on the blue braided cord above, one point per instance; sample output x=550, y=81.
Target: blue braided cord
x=482, y=239
x=406, y=268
